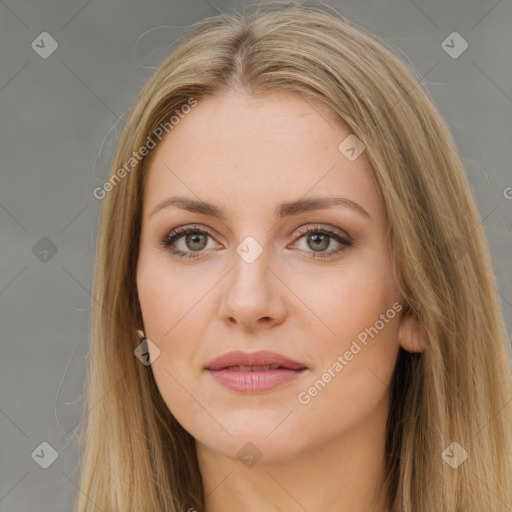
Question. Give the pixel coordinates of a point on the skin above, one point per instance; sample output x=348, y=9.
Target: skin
x=248, y=155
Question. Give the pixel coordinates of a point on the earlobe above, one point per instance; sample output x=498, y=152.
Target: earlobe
x=411, y=335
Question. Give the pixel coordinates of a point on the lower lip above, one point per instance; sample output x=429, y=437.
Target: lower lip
x=254, y=381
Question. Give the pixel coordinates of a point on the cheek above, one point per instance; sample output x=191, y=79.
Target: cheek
x=169, y=301
x=346, y=301
x=177, y=335
x=352, y=376
x=174, y=324
x=357, y=396
x=361, y=323
x=175, y=320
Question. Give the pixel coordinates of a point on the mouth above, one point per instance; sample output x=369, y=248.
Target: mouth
x=254, y=372
x=254, y=368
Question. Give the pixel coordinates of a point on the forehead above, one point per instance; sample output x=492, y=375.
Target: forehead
x=247, y=153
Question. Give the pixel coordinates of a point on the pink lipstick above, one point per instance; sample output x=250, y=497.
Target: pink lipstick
x=254, y=372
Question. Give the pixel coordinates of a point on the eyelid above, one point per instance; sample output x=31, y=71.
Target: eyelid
x=301, y=230
x=182, y=231
x=322, y=227
x=340, y=236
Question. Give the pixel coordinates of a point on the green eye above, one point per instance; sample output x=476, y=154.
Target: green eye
x=318, y=239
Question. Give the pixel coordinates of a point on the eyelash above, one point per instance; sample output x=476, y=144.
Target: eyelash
x=178, y=233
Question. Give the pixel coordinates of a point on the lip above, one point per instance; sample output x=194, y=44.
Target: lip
x=260, y=358
x=254, y=381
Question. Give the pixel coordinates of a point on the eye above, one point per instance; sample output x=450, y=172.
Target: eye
x=195, y=240
x=319, y=238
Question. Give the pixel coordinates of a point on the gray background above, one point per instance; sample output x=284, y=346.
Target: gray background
x=61, y=117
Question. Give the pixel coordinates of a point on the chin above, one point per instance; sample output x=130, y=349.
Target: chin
x=251, y=446
x=273, y=432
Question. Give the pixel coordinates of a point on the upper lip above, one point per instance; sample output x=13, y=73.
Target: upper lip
x=260, y=358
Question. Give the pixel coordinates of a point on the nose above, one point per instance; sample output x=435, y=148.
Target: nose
x=253, y=295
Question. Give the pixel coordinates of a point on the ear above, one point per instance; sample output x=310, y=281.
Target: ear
x=411, y=334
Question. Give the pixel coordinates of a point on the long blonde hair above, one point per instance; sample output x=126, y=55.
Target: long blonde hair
x=134, y=455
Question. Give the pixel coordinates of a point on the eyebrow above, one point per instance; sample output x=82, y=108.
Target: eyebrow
x=283, y=210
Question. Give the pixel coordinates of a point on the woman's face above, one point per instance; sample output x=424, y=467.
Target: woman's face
x=256, y=280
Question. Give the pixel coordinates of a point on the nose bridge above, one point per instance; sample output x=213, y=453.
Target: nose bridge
x=252, y=290
x=251, y=268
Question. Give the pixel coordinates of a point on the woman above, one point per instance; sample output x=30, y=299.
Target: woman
x=288, y=227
